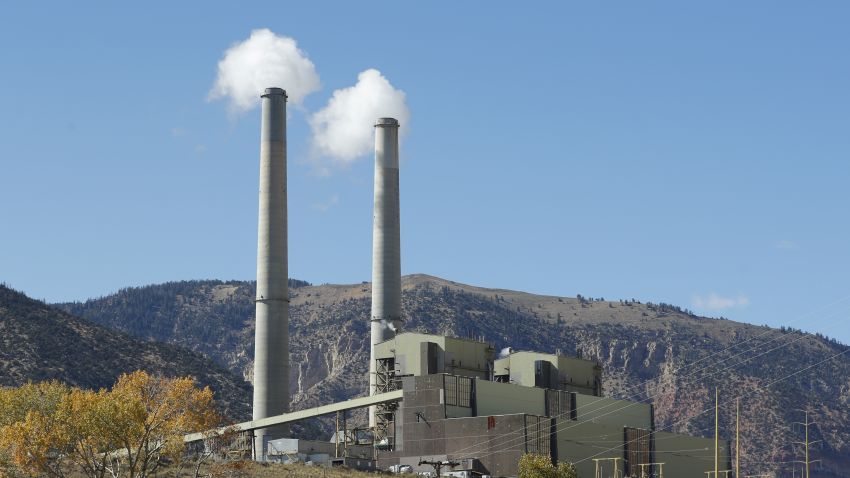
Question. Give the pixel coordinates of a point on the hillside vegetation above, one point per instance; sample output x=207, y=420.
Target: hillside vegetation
x=39, y=343
x=647, y=351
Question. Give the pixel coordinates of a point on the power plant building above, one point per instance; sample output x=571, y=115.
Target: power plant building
x=439, y=401
x=452, y=412
x=535, y=369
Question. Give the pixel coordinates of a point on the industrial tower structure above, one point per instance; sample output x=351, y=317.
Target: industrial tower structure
x=271, y=335
x=386, y=318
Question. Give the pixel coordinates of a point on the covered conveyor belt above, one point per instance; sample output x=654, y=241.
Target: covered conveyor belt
x=362, y=402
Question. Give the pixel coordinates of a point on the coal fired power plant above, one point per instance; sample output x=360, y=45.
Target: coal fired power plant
x=437, y=404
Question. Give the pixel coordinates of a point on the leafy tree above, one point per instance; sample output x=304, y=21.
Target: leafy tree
x=158, y=412
x=93, y=422
x=28, y=429
x=127, y=431
x=43, y=397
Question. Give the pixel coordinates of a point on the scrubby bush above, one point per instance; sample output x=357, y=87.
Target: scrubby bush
x=533, y=465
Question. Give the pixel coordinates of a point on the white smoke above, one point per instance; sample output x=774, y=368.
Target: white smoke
x=263, y=60
x=343, y=129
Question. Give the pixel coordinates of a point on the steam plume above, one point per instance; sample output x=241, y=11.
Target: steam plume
x=342, y=130
x=261, y=61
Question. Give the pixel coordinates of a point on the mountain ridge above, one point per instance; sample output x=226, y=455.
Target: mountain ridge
x=42, y=343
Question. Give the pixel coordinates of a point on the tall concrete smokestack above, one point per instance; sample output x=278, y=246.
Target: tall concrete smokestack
x=271, y=335
x=386, y=244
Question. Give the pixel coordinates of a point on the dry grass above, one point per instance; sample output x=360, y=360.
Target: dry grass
x=252, y=469
x=237, y=469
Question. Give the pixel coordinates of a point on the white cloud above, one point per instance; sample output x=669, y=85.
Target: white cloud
x=716, y=302
x=343, y=129
x=263, y=60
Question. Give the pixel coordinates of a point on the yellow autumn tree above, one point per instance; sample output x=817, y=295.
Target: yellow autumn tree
x=127, y=431
x=155, y=413
x=43, y=397
x=30, y=436
x=92, y=422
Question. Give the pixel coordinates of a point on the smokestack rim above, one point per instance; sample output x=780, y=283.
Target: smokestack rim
x=274, y=92
x=383, y=122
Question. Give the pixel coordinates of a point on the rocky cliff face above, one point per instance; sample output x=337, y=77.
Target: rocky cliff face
x=655, y=353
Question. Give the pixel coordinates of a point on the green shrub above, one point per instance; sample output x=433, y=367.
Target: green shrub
x=532, y=465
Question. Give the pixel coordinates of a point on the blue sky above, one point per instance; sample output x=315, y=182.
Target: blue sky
x=695, y=154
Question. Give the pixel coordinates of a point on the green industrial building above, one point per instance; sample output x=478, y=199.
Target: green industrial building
x=463, y=406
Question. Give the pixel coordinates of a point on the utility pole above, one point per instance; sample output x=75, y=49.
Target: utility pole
x=345, y=434
x=438, y=465
x=807, y=444
x=336, y=436
x=716, y=435
x=806, y=424
x=738, y=437
x=644, y=466
x=599, y=468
